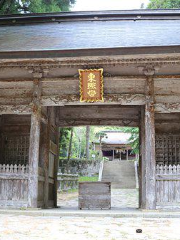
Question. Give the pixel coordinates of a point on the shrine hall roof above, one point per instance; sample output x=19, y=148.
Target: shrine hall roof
x=116, y=138
x=134, y=31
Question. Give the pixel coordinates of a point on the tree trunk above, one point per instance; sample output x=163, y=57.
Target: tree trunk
x=100, y=144
x=79, y=153
x=70, y=145
x=87, y=141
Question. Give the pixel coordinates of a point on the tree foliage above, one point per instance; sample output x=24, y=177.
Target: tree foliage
x=79, y=140
x=134, y=139
x=163, y=4
x=34, y=6
x=64, y=141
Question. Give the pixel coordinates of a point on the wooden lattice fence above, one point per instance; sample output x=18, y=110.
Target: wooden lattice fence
x=16, y=150
x=13, y=185
x=168, y=185
x=167, y=149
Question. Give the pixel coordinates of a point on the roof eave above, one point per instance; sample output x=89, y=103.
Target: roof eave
x=90, y=15
x=122, y=51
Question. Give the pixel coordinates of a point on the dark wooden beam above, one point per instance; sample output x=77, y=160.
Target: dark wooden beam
x=88, y=16
x=15, y=109
x=98, y=122
x=98, y=115
x=99, y=112
x=121, y=51
x=70, y=99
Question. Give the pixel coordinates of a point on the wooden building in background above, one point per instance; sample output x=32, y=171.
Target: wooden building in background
x=40, y=55
x=115, y=145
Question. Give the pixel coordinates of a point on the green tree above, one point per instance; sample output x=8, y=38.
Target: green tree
x=77, y=145
x=87, y=141
x=100, y=135
x=34, y=6
x=163, y=4
x=70, y=145
x=134, y=139
x=64, y=141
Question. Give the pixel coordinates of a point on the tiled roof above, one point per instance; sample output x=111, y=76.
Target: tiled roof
x=115, y=138
x=111, y=31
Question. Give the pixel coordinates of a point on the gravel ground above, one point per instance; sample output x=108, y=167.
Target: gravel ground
x=67, y=228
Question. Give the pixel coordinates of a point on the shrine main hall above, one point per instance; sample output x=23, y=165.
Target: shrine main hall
x=40, y=58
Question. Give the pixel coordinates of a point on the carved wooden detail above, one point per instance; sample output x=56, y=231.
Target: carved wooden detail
x=148, y=70
x=167, y=107
x=93, y=61
x=107, y=76
x=124, y=99
x=38, y=71
x=15, y=109
x=98, y=122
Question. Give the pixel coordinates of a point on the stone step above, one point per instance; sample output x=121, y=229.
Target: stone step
x=121, y=174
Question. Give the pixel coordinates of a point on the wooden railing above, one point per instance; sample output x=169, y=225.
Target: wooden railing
x=101, y=170
x=13, y=185
x=168, y=185
x=136, y=173
x=16, y=169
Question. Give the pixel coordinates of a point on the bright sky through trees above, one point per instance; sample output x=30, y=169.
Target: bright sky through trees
x=95, y=5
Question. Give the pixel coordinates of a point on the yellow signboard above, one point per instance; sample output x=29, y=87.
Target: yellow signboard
x=91, y=85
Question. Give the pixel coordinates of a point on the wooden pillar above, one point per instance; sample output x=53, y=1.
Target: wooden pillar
x=150, y=157
x=142, y=194
x=1, y=146
x=113, y=154
x=148, y=164
x=56, y=166
x=53, y=141
x=120, y=156
x=34, y=159
x=127, y=154
x=34, y=146
x=46, y=165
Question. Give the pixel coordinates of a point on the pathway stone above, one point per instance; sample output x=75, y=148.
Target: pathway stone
x=66, y=228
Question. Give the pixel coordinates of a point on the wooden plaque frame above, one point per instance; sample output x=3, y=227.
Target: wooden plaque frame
x=94, y=79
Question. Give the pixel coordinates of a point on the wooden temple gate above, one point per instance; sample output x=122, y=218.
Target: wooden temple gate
x=39, y=92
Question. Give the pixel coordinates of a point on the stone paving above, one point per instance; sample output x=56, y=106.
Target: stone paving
x=18, y=227
x=120, y=198
x=71, y=228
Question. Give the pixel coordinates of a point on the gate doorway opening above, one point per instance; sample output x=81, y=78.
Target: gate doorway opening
x=103, y=154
